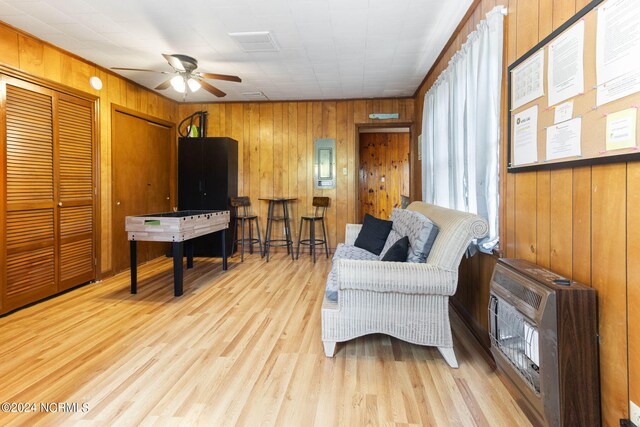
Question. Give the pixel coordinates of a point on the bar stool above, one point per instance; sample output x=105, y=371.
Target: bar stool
x=320, y=204
x=271, y=217
x=241, y=217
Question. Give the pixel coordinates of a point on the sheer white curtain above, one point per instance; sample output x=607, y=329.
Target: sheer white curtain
x=461, y=128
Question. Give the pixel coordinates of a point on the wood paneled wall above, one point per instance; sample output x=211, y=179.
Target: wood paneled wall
x=580, y=222
x=41, y=59
x=275, y=150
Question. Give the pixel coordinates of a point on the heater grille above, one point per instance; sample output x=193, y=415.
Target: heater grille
x=517, y=340
x=518, y=290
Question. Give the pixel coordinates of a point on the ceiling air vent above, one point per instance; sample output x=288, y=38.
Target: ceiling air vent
x=254, y=95
x=256, y=41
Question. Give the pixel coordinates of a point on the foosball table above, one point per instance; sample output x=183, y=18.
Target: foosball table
x=179, y=228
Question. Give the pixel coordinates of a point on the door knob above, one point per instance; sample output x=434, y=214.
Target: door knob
x=118, y=203
x=167, y=197
x=60, y=204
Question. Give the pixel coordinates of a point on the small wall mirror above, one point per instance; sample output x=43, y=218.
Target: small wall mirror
x=324, y=162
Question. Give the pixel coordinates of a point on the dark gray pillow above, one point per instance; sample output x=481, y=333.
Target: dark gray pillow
x=373, y=234
x=398, y=251
x=393, y=237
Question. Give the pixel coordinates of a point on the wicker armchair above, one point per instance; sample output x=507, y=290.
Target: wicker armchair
x=409, y=301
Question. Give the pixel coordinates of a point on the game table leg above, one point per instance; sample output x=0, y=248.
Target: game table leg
x=178, y=253
x=224, y=249
x=133, y=254
x=188, y=247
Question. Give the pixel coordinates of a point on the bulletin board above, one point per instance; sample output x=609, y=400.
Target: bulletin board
x=563, y=113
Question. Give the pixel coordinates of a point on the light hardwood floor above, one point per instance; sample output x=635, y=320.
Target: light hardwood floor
x=238, y=348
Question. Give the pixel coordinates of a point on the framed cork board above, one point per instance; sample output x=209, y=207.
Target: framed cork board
x=574, y=97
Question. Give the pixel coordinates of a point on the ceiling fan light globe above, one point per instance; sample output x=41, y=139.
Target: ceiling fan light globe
x=178, y=84
x=194, y=85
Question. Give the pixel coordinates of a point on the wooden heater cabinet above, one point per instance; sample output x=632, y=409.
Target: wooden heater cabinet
x=544, y=340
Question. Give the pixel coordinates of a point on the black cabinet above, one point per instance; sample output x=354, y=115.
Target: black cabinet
x=208, y=179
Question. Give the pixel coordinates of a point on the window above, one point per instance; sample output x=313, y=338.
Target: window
x=461, y=128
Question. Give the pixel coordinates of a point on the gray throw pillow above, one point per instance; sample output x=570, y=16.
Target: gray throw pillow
x=421, y=231
x=422, y=234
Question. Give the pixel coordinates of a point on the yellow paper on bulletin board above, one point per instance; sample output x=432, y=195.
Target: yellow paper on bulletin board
x=621, y=129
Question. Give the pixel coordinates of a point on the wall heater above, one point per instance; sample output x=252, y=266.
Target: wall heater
x=543, y=330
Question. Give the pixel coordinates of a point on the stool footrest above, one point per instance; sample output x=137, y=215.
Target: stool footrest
x=310, y=242
x=279, y=242
x=254, y=240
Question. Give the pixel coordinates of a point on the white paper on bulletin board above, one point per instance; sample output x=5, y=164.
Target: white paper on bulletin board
x=528, y=80
x=617, y=39
x=565, y=76
x=617, y=50
x=625, y=85
x=563, y=139
x=563, y=112
x=525, y=137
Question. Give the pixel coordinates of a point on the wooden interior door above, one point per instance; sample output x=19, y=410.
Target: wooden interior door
x=158, y=161
x=383, y=173
x=141, y=159
x=30, y=233
x=76, y=192
x=129, y=182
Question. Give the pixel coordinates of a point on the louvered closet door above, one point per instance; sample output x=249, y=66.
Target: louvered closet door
x=76, y=192
x=30, y=231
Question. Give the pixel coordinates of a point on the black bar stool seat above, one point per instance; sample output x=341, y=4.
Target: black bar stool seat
x=320, y=204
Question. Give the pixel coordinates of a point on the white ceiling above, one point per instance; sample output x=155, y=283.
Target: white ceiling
x=329, y=49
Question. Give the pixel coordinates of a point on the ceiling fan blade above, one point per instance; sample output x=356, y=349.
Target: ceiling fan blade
x=220, y=77
x=174, y=62
x=212, y=89
x=164, y=84
x=139, y=69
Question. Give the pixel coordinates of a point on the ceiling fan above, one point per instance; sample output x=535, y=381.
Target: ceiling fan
x=186, y=77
